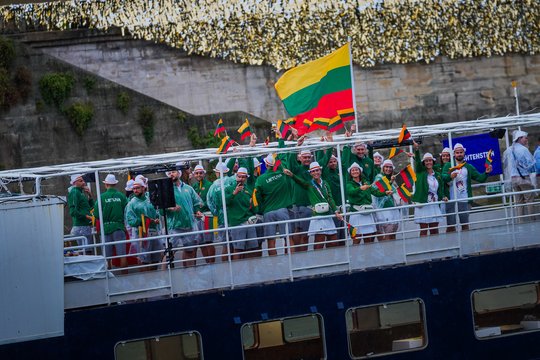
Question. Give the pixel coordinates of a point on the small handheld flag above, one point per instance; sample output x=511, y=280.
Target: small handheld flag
x=489, y=158
x=394, y=152
x=307, y=123
x=335, y=124
x=457, y=167
x=404, y=134
x=383, y=184
x=352, y=230
x=244, y=130
x=219, y=128
x=277, y=164
x=404, y=193
x=226, y=143
x=407, y=176
x=283, y=128
x=254, y=198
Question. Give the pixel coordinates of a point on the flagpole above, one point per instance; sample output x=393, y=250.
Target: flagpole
x=352, y=84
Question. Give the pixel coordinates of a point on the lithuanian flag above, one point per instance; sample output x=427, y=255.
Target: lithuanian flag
x=320, y=89
x=283, y=128
x=335, y=124
x=219, y=128
x=407, y=176
x=226, y=143
x=394, y=152
x=244, y=130
x=489, y=158
x=383, y=184
x=404, y=193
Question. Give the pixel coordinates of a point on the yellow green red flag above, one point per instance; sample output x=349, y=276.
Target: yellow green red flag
x=320, y=89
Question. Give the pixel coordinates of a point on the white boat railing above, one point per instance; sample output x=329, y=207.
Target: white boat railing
x=495, y=226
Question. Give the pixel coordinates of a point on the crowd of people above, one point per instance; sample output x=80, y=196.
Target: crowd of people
x=291, y=195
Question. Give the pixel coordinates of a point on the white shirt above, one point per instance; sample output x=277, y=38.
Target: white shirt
x=461, y=184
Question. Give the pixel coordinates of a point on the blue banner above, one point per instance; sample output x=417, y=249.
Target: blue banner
x=477, y=147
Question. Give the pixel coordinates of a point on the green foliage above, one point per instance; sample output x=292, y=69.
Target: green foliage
x=181, y=118
x=7, y=53
x=55, y=88
x=123, y=101
x=201, y=142
x=6, y=89
x=146, y=120
x=23, y=82
x=80, y=115
x=89, y=83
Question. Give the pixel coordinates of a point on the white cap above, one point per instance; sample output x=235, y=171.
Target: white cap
x=129, y=185
x=305, y=152
x=446, y=150
x=388, y=162
x=242, y=170
x=428, y=156
x=110, y=179
x=139, y=182
x=517, y=134
x=256, y=162
x=333, y=157
x=74, y=178
x=379, y=155
x=354, y=165
x=141, y=178
x=199, y=168
x=221, y=168
x=314, y=165
x=459, y=146
x=269, y=160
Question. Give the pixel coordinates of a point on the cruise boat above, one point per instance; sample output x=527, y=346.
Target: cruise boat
x=464, y=295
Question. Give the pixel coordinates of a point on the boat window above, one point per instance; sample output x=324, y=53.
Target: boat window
x=386, y=328
x=299, y=337
x=185, y=346
x=506, y=310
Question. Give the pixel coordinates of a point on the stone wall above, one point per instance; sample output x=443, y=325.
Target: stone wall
x=443, y=91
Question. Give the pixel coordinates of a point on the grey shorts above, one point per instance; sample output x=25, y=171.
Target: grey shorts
x=82, y=231
x=156, y=245
x=278, y=216
x=117, y=235
x=300, y=213
x=249, y=233
x=183, y=240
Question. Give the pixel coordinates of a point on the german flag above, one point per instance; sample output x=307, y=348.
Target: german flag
x=457, y=167
x=394, y=152
x=489, y=158
x=383, y=184
x=244, y=130
x=219, y=128
x=404, y=134
x=335, y=124
x=404, y=193
x=226, y=143
x=407, y=176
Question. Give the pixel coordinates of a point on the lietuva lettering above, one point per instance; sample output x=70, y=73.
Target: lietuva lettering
x=273, y=178
x=113, y=200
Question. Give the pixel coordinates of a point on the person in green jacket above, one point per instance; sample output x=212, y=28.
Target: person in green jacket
x=322, y=203
x=358, y=154
x=377, y=161
x=428, y=189
x=240, y=213
x=359, y=198
x=388, y=217
x=113, y=204
x=273, y=198
x=201, y=185
x=80, y=204
x=298, y=164
x=181, y=217
x=461, y=175
x=143, y=219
